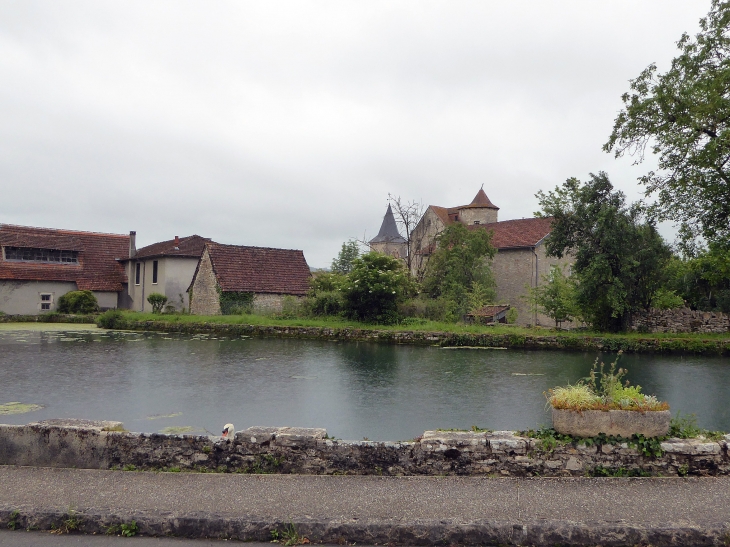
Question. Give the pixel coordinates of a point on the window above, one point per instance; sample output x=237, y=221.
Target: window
x=477, y=222
x=30, y=254
x=46, y=301
x=137, y=269
x=154, y=271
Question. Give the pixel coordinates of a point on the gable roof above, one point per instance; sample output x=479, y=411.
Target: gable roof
x=512, y=234
x=388, y=230
x=188, y=247
x=97, y=270
x=489, y=311
x=259, y=269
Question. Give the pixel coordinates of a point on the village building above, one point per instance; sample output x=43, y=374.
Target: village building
x=39, y=265
x=521, y=260
x=389, y=241
x=166, y=267
x=230, y=277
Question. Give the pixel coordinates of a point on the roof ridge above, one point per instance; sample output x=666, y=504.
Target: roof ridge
x=62, y=231
x=252, y=247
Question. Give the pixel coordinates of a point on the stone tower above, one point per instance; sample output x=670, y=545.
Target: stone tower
x=389, y=241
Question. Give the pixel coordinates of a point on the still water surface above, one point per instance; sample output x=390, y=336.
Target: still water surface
x=354, y=390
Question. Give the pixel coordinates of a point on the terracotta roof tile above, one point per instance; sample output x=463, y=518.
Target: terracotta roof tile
x=260, y=269
x=189, y=247
x=97, y=270
x=509, y=234
x=480, y=200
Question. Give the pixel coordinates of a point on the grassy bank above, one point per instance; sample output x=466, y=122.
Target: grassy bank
x=432, y=333
x=420, y=332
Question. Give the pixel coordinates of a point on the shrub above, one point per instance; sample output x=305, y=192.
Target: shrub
x=325, y=303
x=157, y=301
x=78, y=302
x=111, y=319
x=375, y=286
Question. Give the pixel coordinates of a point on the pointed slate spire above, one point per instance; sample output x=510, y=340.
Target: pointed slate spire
x=388, y=230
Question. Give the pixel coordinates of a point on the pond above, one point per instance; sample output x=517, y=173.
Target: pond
x=169, y=383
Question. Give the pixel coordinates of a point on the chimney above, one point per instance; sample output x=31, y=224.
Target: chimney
x=132, y=244
x=177, y=243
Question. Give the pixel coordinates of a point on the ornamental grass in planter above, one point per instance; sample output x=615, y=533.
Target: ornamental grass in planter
x=606, y=403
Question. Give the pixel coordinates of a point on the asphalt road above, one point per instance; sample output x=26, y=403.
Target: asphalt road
x=370, y=509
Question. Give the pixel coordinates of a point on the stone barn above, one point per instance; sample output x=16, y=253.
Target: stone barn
x=234, y=278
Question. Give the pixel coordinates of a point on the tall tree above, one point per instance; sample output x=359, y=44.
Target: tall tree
x=460, y=266
x=407, y=214
x=348, y=253
x=619, y=255
x=683, y=116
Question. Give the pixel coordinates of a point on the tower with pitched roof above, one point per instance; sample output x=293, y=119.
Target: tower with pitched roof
x=389, y=241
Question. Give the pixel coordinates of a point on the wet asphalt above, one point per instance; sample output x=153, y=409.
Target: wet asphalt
x=645, y=502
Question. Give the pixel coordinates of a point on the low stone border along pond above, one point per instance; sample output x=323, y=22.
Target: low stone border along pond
x=106, y=445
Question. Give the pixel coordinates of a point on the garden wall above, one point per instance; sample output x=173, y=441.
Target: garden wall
x=92, y=445
x=681, y=320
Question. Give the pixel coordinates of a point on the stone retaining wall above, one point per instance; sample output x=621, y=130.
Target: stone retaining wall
x=681, y=320
x=95, y=445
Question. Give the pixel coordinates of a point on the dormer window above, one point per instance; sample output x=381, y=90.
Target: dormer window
x=30, y=254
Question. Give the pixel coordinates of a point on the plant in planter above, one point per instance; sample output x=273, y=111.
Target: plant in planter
x=606, y=403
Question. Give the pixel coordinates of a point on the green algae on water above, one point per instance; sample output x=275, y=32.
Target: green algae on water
x=18, y=408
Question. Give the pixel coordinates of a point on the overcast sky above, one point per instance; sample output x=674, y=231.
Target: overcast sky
x=286, y=124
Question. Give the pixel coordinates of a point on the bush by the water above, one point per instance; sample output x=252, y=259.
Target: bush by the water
x=78, y=302
x=111, y=319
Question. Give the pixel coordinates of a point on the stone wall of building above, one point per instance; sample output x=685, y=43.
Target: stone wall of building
x=478, y=215
x=204, y=298
x=515, y=270
x=98, y=445
x=681, y=320
x=272, y=303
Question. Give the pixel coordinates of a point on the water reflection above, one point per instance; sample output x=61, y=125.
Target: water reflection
x=355, y=390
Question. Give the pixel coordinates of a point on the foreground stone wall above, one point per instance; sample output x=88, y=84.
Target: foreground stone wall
x=95, y=445
x=681, y=320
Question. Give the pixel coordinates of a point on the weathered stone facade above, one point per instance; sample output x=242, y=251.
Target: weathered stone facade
x=271, y=303
x=681, y=320
x=517, y=270
x=95, y=445
x=204, y=297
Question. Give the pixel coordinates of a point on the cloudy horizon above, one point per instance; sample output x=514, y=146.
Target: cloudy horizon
x=287, y=124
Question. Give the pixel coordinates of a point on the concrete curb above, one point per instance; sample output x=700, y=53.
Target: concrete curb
x=420, y=532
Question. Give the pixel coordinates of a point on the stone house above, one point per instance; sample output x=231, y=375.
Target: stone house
x=39, y=265
x=521, y=259
x=260, y=276
x=166, y=267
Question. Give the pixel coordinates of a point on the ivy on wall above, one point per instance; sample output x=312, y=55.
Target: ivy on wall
x=235, y=303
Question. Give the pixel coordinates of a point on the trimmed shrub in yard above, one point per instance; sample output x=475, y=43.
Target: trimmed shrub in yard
x=78, y=302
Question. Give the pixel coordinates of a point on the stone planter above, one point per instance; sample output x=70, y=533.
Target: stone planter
x=624, y=423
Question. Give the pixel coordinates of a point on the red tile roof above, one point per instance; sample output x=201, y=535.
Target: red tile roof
x=480, y=200
x=97, y=270
x=259, y=269
x=510, y=234
x=188, y=247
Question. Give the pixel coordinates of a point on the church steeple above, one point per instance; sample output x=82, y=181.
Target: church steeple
x=388, y=230
x=389, y=241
